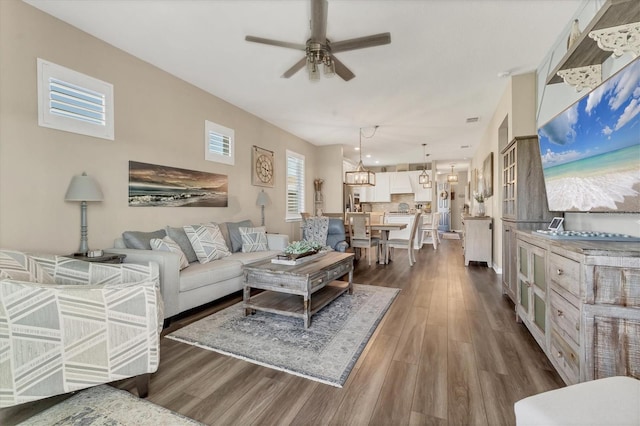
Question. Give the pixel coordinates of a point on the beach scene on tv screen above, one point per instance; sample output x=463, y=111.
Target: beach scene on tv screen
x=591, y=151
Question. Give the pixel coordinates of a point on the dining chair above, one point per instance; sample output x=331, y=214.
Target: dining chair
x=405, y=243
x=359, y=235
x=430, y=231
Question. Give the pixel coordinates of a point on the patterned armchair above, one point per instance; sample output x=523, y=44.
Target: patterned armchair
x=66, y=325
x=327, y=231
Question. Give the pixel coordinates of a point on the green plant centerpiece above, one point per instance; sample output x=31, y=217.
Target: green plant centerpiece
x=302, y=248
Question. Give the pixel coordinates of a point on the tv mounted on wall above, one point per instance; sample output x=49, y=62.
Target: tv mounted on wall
x=591, y=151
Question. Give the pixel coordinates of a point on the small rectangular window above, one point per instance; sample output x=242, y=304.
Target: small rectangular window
x=295, y=186
x=218, y=143
x=74, y=102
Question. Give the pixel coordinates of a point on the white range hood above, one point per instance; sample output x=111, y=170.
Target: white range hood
x=400, y=183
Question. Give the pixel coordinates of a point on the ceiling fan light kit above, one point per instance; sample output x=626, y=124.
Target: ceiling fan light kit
x=319, y=51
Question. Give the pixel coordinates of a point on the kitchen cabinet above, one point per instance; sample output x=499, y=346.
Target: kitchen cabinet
x=477, y=237
x=378, y=193
x=420, y=194
x=580, y=301
x=524, y=202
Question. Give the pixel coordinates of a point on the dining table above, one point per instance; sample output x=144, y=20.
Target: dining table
x=384, y=229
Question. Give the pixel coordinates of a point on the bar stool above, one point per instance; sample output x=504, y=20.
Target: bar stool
x=430, y=231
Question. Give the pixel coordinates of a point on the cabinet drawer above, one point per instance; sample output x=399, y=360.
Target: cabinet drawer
x=338, y=271
x=566, y=317
x=565, y=273
x=565, y=358
x=617, y=286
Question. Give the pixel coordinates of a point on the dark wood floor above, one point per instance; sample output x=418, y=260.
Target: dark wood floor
x=447, y=352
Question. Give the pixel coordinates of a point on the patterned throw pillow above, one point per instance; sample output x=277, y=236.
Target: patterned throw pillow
x=19, y=266
x=207, y=242
x=167, y=244
x=253, y=239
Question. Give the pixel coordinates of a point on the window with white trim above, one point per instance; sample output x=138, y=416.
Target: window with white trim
x=74, y=102
x=295, y=185
x=218, y=143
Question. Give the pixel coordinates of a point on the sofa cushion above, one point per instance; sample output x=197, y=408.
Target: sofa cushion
x=204, y=274
x=207, y=242
x=225, y=233
x=20, y=266
x=234, y=234
x=179, y=236
x=253, y=239
x=141, y=240
x=167, y=244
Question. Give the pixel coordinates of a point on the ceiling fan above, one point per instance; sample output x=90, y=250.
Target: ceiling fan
x=319, y=50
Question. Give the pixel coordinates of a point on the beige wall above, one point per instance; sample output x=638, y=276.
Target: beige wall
x=159, y=119
x=329, y=168
x=518, y=104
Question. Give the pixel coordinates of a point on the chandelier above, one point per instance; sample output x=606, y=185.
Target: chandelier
x=424, y=176
x=452, y=178
x=318, y=55
x=361, y=176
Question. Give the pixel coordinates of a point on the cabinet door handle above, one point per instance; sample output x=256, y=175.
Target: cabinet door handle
x=559, y=271
x=560, y=313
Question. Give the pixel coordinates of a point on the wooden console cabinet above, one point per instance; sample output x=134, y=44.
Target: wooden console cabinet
x=524, y=202
x=581, y=302
x=477, y=239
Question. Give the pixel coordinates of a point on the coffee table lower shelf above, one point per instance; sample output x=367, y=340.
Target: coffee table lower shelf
x=293, y=304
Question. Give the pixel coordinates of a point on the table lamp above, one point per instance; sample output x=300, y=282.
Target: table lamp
x=263, y=200
x=83, y=188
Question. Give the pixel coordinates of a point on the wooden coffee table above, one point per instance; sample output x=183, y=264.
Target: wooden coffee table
x=297, y=290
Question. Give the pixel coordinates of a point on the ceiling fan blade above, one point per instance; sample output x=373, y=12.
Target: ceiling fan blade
x=361, y=42
x=278, y=43
x=295, y=68
x=319, y=21
x=342, y=71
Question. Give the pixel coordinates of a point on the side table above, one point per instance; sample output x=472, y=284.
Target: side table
x=106, y=258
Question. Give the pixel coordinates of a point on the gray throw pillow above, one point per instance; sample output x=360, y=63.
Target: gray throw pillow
x=179, y=236
x=141, y=240
x=234, y=234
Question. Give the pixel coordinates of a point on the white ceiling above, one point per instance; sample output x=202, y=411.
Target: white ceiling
x=441, y=67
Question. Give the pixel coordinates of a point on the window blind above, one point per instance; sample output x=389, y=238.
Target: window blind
x=295, y=185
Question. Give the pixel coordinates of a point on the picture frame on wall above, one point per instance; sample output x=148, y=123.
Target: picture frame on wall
x=487, y=175
x=153, y=185
x=262, y=167
x=474, y=180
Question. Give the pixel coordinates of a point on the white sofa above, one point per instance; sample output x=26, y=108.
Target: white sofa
x=198, y=283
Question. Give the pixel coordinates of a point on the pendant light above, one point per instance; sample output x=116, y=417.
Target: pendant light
x=452, y=178
x=424, y=176
x=360, y=176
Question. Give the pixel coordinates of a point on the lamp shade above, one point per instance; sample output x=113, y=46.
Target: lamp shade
x=263, y=199
x=83, y=188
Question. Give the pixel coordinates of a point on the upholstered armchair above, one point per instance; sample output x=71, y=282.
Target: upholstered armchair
x=66, y=325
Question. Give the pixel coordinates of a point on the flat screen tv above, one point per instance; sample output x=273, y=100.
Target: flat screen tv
x=591, y=151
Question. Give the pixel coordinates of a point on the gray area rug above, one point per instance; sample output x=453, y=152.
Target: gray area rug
x=325, y=352
x=107, y=406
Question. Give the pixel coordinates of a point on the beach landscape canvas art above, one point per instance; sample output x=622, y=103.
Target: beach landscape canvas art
x=591, y=151
x=163, y=186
